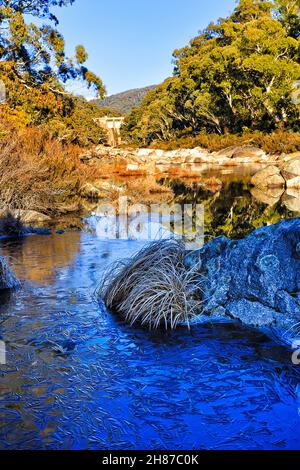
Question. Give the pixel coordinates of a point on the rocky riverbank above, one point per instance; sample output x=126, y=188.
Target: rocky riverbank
x=113, y=168
x=286, y=174
x=254, y=281
x=150, y=159
x=280, y=180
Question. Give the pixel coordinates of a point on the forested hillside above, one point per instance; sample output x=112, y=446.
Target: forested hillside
x=124, y=102
x=237, y=76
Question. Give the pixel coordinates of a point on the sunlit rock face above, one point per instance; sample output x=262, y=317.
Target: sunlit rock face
x=7, y=278
x=255, y=280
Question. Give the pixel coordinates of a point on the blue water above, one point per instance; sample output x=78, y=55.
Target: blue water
x=78, y=378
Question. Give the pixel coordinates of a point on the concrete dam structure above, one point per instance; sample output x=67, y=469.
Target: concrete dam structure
x=112, y=126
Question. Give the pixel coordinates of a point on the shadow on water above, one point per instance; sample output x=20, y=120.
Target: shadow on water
x=77, y=377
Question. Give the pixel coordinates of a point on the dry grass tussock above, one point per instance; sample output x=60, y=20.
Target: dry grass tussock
x=154, y=288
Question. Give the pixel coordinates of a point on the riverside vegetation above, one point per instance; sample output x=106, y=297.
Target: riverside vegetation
x=232, y=89
x=237, y=77
x=233, y=85
x=78, y=378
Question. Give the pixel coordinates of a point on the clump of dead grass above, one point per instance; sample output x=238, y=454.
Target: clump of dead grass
x=154, y=288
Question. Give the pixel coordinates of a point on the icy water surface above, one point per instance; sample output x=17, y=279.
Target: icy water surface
x=77, y=378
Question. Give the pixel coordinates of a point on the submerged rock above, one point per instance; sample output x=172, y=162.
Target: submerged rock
x=255, y=280
x=7, y=278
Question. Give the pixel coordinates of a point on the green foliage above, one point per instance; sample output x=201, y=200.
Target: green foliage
x=34, y=67
x=35, y=55
x=237, y=75
x=274, y=143
x=78, y=126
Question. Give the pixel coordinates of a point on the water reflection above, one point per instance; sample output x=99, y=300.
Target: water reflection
x=54, y=252
x=78, y=378
x=238, y=209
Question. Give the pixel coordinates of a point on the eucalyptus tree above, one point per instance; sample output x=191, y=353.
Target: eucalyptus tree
x=33, y=61
x=238, y=74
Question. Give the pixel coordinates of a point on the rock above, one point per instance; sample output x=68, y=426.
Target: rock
x=197, y=155
x=30, y=217
x=290, y=156
x=133, y=167
x=269, y=177
x=246, y=151
x=99, y=189
x=196, y=160
x=107, y=187
x=291, y=169
x=86, y=157
x=242, y=152
x=225, y=153
x=251, y=313
x=146, y=152
x=293, y=192
x=158, y=153
x=269, y=196
x=7, y=278
x=90, y=191
x=219, y=160
x=256, y=280
x=293, y=183
x=171, y=153
x=291, y=200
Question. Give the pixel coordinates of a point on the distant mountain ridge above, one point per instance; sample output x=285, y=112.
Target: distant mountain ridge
x=125, y=101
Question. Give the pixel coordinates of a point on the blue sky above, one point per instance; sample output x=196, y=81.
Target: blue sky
x=130, y=42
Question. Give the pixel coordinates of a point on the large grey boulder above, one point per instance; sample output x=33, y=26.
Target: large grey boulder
x=7, y=278
x=255, y=280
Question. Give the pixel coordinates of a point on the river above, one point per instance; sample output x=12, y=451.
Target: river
x=77, y=377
